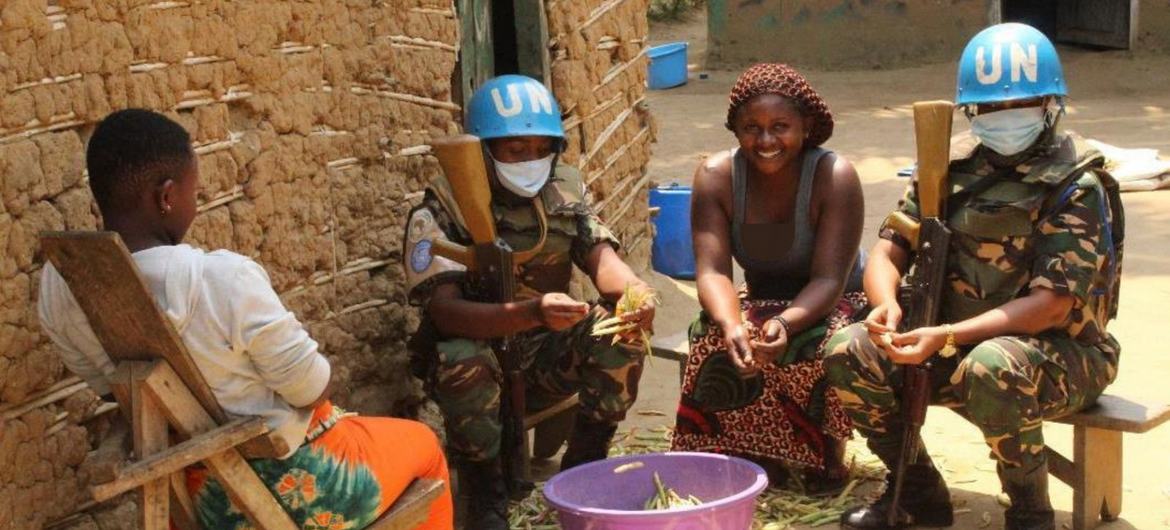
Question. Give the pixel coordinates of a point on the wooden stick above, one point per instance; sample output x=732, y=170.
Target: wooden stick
x=418, y=42
x=150, y=437
x=52, y=397
x=68, y=381
x=177, y=457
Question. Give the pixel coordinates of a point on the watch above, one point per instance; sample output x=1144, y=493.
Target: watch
x=949, y=349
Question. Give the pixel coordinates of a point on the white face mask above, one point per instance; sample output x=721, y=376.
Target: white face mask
x=1010, y=131
x=524, y=178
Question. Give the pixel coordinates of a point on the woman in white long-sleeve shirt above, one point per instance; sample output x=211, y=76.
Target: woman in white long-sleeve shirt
x=256, y=356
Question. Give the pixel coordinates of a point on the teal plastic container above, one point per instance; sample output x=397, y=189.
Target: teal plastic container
x=671, y=253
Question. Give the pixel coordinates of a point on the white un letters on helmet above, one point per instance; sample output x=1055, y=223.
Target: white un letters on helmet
x=1022, y=62
x=538, y=100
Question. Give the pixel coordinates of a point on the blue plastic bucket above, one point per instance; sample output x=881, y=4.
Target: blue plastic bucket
x=671, y=252
x=668, y=65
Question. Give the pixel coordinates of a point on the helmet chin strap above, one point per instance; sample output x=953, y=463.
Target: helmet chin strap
x=1053, y=115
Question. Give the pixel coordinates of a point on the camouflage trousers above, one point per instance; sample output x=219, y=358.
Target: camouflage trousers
x=556, y=365
x=1006, y=386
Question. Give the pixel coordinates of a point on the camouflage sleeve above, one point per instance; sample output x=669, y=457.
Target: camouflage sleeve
x=424, y=270
x=566, y=193
x=1070, y=250
x=590, y=231
x=908, y=205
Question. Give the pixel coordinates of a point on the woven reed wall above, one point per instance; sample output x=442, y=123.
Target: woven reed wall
x=598, y=58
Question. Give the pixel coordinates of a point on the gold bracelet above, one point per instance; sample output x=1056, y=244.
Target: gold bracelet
x=949, y=349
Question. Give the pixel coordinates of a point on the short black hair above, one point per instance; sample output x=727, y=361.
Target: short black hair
x=131, y=150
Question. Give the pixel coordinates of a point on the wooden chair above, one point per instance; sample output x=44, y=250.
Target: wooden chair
x=160, y=389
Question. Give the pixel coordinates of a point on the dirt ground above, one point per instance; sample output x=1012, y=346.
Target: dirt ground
x=1117, y=98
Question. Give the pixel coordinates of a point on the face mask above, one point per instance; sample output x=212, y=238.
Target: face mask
x=524, y=178
x=1010, y=131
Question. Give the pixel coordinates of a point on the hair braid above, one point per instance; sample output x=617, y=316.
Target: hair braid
x=782, y=80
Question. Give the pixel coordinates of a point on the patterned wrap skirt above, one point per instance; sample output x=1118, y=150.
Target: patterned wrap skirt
x=786, y=412
x=345, y=476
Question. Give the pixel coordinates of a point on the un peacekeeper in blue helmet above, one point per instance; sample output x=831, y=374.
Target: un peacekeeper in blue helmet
x=1032, y=277
x=1011, y=86
x=519, y=121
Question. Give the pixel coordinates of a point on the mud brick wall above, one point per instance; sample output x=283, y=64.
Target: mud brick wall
x=309, y=119
x=598, y=59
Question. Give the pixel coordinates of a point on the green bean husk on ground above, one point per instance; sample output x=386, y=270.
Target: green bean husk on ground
x=776, y=509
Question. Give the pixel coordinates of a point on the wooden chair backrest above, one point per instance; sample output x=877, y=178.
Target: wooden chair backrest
x=102, y=276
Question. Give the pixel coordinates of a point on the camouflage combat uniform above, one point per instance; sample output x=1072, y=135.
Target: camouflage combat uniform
x=1044, y=223
x=464, y=379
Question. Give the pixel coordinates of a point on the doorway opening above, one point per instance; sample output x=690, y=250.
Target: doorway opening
x=499, y=37
x=1101, y=24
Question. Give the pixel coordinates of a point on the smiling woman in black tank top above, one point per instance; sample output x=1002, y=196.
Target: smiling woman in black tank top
x=790, y=213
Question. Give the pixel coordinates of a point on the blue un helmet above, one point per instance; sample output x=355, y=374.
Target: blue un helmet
x=1007, y=62
x=514, y=105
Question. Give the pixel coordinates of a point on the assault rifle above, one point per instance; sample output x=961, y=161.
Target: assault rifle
x=491, y=264
x=922, y=287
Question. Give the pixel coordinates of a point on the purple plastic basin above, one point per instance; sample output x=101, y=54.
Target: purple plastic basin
x=594, y=497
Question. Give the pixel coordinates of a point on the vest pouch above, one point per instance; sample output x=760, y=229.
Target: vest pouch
x=995, y=220
x=981, y=229
x=548, y=277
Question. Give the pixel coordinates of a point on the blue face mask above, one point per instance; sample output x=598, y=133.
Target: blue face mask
x=1010, y=131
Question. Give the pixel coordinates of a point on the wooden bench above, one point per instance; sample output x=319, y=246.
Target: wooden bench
x=1094, y=473
x=160, y=390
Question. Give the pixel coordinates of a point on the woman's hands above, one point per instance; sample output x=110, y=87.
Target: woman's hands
x=773, y=345
x=558, y=311
x=884, y=317
x=911, y=347
x=917, y=345
x=739, y=349
x=750, y=355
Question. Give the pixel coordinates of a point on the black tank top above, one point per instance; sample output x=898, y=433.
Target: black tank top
x=777, y=257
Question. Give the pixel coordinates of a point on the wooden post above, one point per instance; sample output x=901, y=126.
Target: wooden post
x=1097, y=488
x=150, y=437
x=476, y=54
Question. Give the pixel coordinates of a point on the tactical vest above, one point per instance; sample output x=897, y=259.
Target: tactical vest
x=993, y=244
x=517, y=223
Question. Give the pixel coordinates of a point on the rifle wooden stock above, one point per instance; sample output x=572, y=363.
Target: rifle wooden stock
x=932, y=133
x=462, y=160
x=454, y=252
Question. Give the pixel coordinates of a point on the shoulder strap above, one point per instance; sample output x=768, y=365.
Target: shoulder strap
x=1111, y=211
x=808, y=173
x=956, y=200
x=738, y=189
